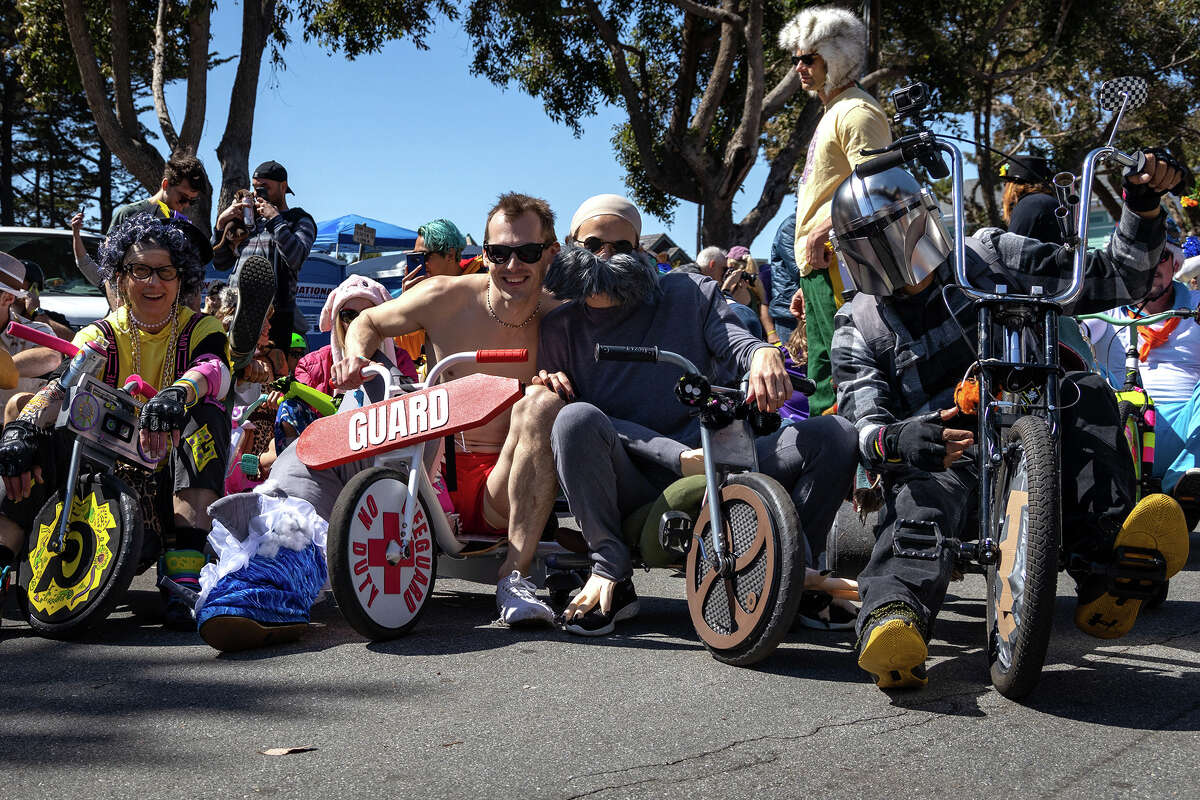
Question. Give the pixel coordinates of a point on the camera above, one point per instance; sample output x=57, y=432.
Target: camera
x=910, y=100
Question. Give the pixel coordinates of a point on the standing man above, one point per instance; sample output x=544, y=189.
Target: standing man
x=183, y=183
x=785, y=279
x=504, y=469
x=829, y=47
x=268, y=262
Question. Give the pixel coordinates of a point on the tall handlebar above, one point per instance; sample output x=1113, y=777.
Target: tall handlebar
x=40, y=338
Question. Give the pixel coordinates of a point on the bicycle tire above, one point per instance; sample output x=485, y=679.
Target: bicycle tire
x=380, y=600
x=1021, y=587
x=762, y=532
x=106, y=559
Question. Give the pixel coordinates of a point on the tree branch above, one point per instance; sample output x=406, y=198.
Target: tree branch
x=143, y=161
x=778, y=183
x=777, y=98
x=639, y=119
x=718, y=81
x=122, y=83
x=722, y=15
x=742, y=151
x=157, y=79
x=199, y=21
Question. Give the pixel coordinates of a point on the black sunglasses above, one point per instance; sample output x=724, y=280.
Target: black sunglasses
x=528, y=253
x=348, y=315
x=808, y=59
x=596, y=244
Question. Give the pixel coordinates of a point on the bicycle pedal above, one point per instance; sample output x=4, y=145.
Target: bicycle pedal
x=910, y=542
x=1135, y=573
x=675, y=531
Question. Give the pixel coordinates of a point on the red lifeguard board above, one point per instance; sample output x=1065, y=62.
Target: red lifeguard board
x=407, y=419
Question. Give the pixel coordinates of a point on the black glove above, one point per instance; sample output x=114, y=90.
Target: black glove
x=1140, y=197
x=166, y=411
x=18, y=447
x=917, y=442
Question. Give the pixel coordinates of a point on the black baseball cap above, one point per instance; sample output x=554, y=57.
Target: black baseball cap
x=272, y=171
x=1027, y=169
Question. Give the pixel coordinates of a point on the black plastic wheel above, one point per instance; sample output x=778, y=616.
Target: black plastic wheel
x=849, y=543
x=741, y=619
x=75, y=590
x=380, y=588
x=1026, y=523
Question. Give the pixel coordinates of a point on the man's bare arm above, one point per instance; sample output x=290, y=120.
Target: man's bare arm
x=36, y=361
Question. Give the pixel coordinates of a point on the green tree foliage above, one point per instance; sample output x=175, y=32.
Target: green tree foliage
x=705, y=88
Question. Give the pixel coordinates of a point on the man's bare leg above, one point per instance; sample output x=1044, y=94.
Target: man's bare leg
x=521, y=489
x=11, y=537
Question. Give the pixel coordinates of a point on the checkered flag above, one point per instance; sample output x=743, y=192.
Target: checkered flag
x=1112, y=92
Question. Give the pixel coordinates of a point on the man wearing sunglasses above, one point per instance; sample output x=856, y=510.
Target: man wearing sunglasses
x=627, y=439
x=183, y=183
x=504, y=469
x=829, y=47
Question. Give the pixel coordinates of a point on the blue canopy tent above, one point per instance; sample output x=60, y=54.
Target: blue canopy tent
x=338, y=234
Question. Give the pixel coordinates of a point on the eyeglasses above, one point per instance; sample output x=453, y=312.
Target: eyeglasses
x=348, y=315
x=596, y=244
x=808, y=59
x=142, y=272
x=528, y=253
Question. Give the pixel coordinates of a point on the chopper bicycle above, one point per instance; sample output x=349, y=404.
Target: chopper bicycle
x=1019, y=542
x=390, y=536
x=80, y=563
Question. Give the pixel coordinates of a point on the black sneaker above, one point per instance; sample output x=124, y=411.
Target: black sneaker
x=1187, y=494
x=819, y=612
x=256, y=292
x=596, y=623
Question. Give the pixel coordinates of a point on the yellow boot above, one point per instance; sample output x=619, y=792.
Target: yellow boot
x=1156, y=524
x=892, y=647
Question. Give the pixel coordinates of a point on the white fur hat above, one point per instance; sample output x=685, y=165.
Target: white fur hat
x=836, y=34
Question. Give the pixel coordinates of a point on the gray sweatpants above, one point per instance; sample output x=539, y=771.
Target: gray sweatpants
x=814, y=461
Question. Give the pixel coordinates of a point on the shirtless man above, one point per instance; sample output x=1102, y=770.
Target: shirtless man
x=505, y=469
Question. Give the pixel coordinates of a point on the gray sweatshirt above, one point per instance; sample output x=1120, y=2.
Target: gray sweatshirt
x=688, y=316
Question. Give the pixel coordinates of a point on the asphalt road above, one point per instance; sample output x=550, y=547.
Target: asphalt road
x=465, y=709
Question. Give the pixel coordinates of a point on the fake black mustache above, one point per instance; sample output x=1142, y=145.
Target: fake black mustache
x=577, y=273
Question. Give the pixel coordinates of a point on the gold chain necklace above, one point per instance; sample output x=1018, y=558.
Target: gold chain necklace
x=509, y=324
x=135, y=340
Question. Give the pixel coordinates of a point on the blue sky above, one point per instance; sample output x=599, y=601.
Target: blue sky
x=408, y=135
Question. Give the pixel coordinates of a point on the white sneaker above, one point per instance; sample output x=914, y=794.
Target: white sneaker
x=518, y=605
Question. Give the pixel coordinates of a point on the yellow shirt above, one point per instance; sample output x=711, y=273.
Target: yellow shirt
x=153, y=345
x=852, y=122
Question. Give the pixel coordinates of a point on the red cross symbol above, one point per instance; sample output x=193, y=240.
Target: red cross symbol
x=377, y=550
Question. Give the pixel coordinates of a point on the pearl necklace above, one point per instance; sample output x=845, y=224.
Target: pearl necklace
x=509, y=324
x=136, y=326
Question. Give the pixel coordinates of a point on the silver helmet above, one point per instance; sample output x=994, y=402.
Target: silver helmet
x=887, y=231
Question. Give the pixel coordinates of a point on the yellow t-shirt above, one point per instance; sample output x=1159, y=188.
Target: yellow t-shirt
x=852, y=122
x=153, y=345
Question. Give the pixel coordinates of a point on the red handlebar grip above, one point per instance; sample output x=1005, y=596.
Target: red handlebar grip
x=501, y=356
x=44, y=339
x=135, y=385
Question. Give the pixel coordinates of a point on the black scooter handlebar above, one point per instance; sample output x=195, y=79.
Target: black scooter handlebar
x=612, y=352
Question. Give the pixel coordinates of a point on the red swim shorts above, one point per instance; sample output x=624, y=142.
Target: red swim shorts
x=472, y=471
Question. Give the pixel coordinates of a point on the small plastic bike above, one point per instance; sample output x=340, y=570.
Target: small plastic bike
x=390, y=537
x=1019, y=544
x=80, y=563
x=745, y=567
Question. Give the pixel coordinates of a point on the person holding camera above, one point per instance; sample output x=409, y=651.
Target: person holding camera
x=267, y=261
x=829, y=47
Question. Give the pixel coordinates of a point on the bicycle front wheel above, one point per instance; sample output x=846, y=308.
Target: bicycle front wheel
x=1021, y=587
